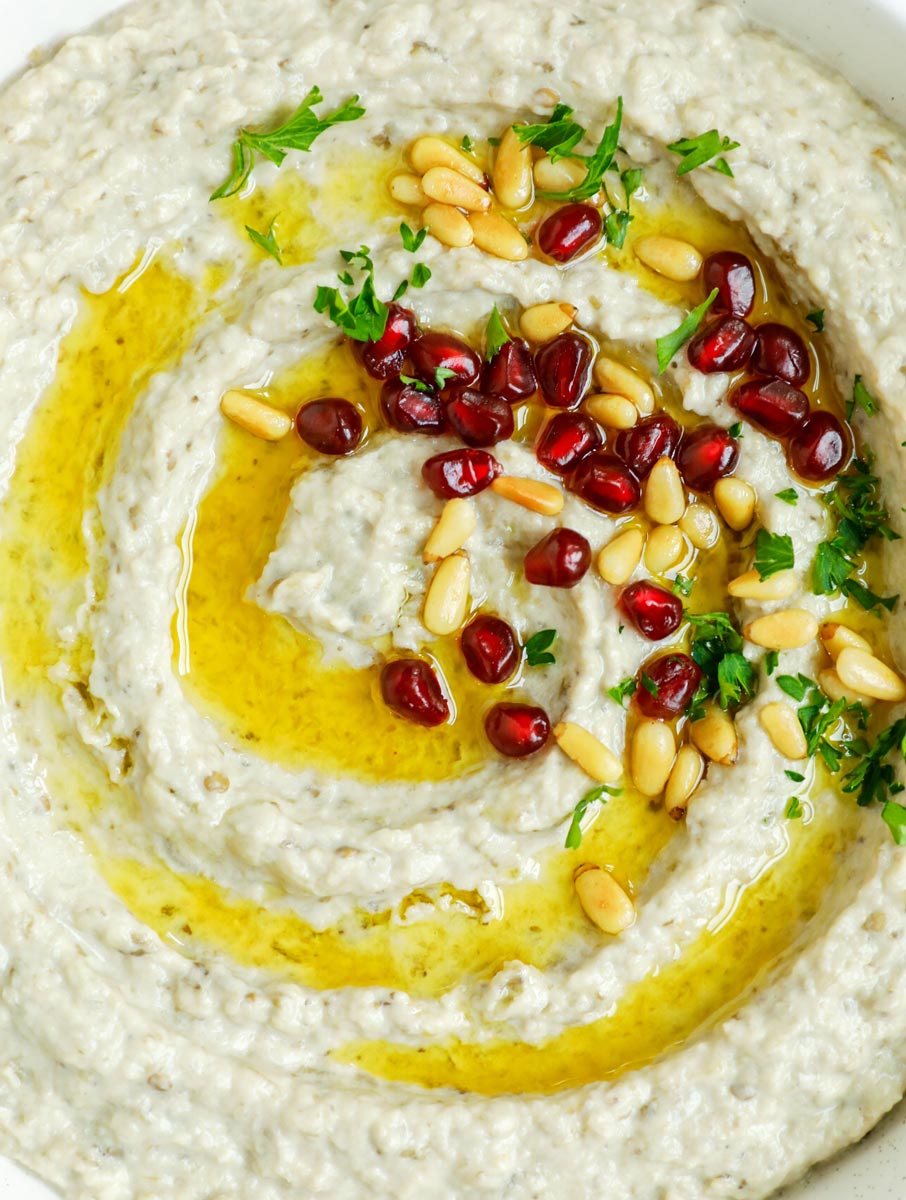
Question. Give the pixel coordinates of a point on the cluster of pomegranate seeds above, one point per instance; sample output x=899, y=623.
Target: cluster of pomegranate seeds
x=330, y=426
x=564, y=369
x=511, y=373
x=490, y=648
x=479, y=420
x=559, y=560
x=517, y=730
x=652, y=610
x=665, y=687
x=460, y=473
x=566, y=233
x=411, y=688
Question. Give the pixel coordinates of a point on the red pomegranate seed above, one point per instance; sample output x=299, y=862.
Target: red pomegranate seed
x=647, y=441
x=478, y=419
x=410, y=687
x=564, y=369
x=653, y=611
x=511, y=373
x=568, y=231
x=408, y=410
x=444, y=352
x=460, y=473
x=665, y=686
x=780, y=353
x=517, y=730
x=606, y=483
x=384, y=358
x=490, y=649
x=330, y=426
x=723, y=345
x=566, y=440
x=732, y=274
x=818, y=450
x=706, y=455
x=558, y=560
x=771, y=405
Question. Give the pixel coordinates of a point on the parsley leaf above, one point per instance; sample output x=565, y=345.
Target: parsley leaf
x=771, y=660
x=466, y=144
x=495, y=335
x=558, y=135
x=861, y=398
x=788, y=496
x=595, y=164
x=649, y=685
x=618, y=220
x=620, y=691
x=816, y=318
x=441, y=375
x=696, y=151
x=727, y=675
x=873, y=777
x=795, y=685
x=363, y=317
x=597, y=794
x=794, y=809
x=411, y=381
x=683, y=586
x=668, y=345
x=266, y=241
x=865, y=597
x=420, y=274
x=537, y=647
x=795, y=776
x=773, y=553
x=412, y=241
x=894, y=816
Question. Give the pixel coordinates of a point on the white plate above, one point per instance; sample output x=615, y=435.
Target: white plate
x=866, y=41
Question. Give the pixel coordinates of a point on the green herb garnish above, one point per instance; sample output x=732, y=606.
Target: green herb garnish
x=558, y=135
x=816, y=318
x=538, y=646
x=617, y=222
x=668, y=345
x=773, y=553
x=683, y=586
x=894, y=816
x=771, y=660
x=795, y=776
x=620, y=691
x=649, y=685
x=601, y=793
x=411, y=240
x=596, y=164
x=363, y=317
x=861, y=398
x=466, y=144
x=727, y=675
x=420, y=274
x=495, y=335
x=696, y=151
x=411, y=381
x=266, y=242
x=794, y=809
x=788, y=496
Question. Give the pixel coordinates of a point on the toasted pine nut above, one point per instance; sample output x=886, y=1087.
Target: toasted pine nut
x=684, y=779
x=620, y=557
x=612, y=376
x=832, y=686
x=447, y=598
x=587, y=752
x=530, y=493
x=735, y=500
x=781, y=724
x=543, y=322
x=454, y=527
x=254, y=416
x=664, y=548
x=428, y=152
x=651, y=756
x=750, y=586
x=512, y=174
x=699, y=524
x=448, y=225
x=664, y=497
x=866, y=673
x=670, y=257
x=787, y=629
x=715, y=735
x=603, y=900
x=496, y=235
x=835, y=638
x=449, y=187
x=612, y=411
x=407, y=189
x=559, y=176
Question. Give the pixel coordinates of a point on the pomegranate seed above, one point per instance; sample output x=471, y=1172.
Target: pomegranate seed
x=569, y=231
x=410, y=687
x=731, y=273
x=443, y=352
x=724, y=345
x=647, y=441
x=511, y=373
x=706, y=455
x=818, y=449
x=408, y=410
x=384, y=358
x=653, y=611
x=564, y=369
x=490, y=649
x=606, y=483
x=478, y=419
x=771, y=405
x=558, y=560
x=666, y=686
x=566, y=440
x=330, y=426
x=781, y=354
x=460, y=473
x=517, y=730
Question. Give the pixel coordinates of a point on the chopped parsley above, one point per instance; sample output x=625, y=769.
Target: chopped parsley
x=788, y=496
x=727, y=675
x=696, y=151
x=411, y=381
x=537, y=648
x=668, y=345
x=794, y=809
x=559, y=137
x=795, y=776
x=495, y=334
x=363, y=317
x=861, y=398
x=620, y=691
x=895, y=818
x=795, y=685
x=420, y=274
x=441, y=375
x=266, y=242
x=771, y=661
x=649, y=685
x=466, y=144
x=412, y=241
x=773, y=553
x=683, y=586
x=816, y=318
x=599, y=794
x=735, y=430
x=873, y=777
x=618, y=220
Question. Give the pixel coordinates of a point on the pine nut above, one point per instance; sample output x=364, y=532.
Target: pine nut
x=715, y=735
x=543, y=322
x=781, y=724
x=448, y=225
x=652, y=753
x=512, y=174
x=587, y=752
x=750, y=586
x=620, y=557
x=496, y=235
x=664, y=497
x=832, y=686
x=865, y=673
x=558, y=176
x=407, y=189
x=254, y=416
x=530, y=493
x=612, y=411
x=664, y=548
x=835, y=638
x=447, y=598
x=428, y=152
x=785, y=630
x=684, y=779
x=454, y=527
x=449, y=187
x=699, y=524
x=735, y=500
x=603, y=900
x=670, y=257
x=612, y=376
